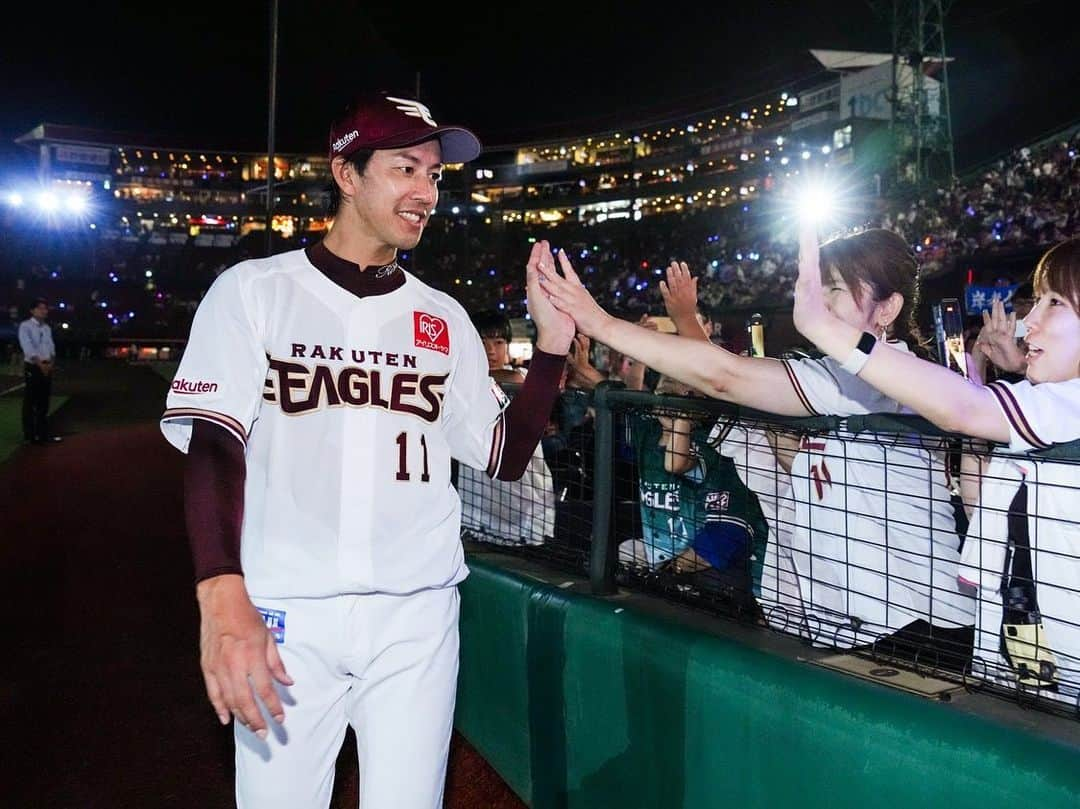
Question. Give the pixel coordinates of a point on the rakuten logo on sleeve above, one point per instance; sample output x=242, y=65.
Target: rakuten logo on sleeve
x=193, y=386
x=430, y=332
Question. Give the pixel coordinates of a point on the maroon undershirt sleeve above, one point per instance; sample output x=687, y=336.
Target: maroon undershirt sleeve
x=527, y=415
x=214, y=499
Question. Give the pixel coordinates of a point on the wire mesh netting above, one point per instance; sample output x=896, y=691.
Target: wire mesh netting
x=548, y=513
x=874, y=535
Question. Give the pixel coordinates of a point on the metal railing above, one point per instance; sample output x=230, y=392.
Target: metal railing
x=874, y=534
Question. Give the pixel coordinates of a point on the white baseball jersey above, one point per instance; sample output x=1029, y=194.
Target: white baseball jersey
x=761, y=472
x=874, y=542
x=1038, y=416
x=350, y=409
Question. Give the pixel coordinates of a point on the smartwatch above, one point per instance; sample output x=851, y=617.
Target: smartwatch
x=860, y=354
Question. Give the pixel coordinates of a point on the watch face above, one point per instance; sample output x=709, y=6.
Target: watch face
x=866, y=343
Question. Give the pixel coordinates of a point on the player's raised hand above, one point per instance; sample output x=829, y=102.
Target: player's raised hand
x=810, y=314
x=554, y=329
x=569, y=295
x=680, y=292
x=239, y=657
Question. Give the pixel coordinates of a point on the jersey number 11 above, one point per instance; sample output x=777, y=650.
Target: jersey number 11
x=403, y=462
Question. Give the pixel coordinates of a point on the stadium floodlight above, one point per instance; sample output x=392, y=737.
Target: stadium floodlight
x=47, y=201
x=14, y=199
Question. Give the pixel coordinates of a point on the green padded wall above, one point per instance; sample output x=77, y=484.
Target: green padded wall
x=578, y=703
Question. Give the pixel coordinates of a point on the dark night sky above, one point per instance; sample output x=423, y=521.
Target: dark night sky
x=199, y=71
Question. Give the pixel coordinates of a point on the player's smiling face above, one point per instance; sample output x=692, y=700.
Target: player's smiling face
x=1053, y=339
x=397, y=193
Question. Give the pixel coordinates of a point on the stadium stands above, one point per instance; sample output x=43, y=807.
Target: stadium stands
x=743, y=251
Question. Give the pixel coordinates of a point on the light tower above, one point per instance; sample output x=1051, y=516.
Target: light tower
x=921, y=120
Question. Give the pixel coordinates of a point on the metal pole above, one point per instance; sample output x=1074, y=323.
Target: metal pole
x=894, y=123
x=270, y=128
x=945, y=105
x=602, y=557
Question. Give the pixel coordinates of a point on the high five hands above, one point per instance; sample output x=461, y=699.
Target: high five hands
x=554, y=326
x=566, y=293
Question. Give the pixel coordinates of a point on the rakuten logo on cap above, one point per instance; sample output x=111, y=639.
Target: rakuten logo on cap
x=430, y=332
x=344, y=140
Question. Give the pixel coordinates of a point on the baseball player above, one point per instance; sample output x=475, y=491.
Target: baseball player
x=320, y=399
x=1022, y=553
x=875, y=549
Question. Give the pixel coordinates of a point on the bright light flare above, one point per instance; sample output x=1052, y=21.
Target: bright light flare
x=48, y=202
x=815, y=203
x=14, y=199
x=75, y=203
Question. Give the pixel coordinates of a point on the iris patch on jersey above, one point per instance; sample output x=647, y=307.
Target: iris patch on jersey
x=275, y=623
x=431, y=332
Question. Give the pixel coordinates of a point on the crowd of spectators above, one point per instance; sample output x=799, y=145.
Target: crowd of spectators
x=744, y=252
x=1027, y=200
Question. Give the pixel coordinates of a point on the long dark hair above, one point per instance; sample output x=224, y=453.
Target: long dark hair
x=883, y=261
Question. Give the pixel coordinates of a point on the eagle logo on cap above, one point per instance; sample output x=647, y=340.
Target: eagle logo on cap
x=414, y=109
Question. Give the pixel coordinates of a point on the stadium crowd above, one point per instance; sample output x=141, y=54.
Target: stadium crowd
x=1023, y=201
x=746, y=257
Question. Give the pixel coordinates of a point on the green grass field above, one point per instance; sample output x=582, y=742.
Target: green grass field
x=11, y=421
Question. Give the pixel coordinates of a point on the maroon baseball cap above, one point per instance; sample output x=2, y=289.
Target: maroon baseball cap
x=382, y=121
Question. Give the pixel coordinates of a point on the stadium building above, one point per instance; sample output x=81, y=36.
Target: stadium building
x=133, y=185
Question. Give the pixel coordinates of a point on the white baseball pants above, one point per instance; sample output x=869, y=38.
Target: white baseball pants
x=386, y=665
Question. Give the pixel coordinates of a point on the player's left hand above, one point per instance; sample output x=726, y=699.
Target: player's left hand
x=812, y=318
x=238, y=656
x=554, y=329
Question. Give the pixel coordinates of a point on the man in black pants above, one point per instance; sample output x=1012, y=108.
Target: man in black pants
x=39, y=354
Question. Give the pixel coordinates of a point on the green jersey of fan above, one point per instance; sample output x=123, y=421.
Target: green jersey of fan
x=707, y=508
